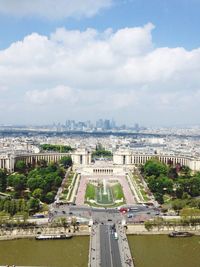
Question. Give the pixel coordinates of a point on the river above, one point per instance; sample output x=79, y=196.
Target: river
x=162, y=251
x=147, y=250
x=55, y=253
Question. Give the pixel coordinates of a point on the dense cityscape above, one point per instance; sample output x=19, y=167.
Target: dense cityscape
x=99, y=133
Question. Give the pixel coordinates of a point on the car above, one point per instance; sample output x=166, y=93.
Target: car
x=70, y=213
x=130, y=216
x=133, y=209
x=63, y=212
x=123, y=210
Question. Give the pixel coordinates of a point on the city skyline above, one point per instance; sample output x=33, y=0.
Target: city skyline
x=129, y=60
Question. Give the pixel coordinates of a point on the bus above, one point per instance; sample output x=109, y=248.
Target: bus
x=116, y=236
x=38, y=216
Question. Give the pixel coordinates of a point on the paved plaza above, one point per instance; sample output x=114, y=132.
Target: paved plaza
x=128, y=194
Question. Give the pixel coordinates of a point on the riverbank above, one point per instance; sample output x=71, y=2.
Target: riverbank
x=139, y=229
x=84, y=230
x=20, y=233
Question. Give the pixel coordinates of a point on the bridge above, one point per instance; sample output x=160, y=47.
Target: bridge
x=109, y=246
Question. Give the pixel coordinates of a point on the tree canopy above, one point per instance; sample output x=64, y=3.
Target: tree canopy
x=56, y=148
x=166, y=179
x=66, y=161
x=101, y=152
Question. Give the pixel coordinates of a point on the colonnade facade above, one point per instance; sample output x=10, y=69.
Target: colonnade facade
x=131, y=158
x=79, y=157
x=83, y=158
x=36, y=158
x=102, y=171
x=7, y=162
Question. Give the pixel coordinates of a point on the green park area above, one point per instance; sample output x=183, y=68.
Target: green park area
x=173, y=187
x=32, y=187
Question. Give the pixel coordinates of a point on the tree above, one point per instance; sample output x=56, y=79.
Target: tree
x=34, y=204
x=64, y=222
x=42, y=163
x=18, y=181
x=49, y=198
x=185, y=171
x=159, y=198
x=37, y=193
x=154, y=167
x=172, y=173
x=52, y=167
x=66, y=161
x=148, y=225
x=57, y=181
x=58, y=148
x=190, y=212
x=179, y=192
x=178, y=204
x=20, y=166
x=3, y=180
x=35, y=183
x=160, y=185
x=74, y=222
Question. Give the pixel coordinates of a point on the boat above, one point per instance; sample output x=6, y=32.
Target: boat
x=180, y=234
x=53, y=237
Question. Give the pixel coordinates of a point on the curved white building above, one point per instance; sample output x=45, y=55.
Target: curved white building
x=83, y=158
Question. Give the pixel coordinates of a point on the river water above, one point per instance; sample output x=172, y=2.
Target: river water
x=147, y=250
x=162, y=251
x=56, y=253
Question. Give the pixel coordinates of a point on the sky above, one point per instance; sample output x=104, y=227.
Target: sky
x=131, y=60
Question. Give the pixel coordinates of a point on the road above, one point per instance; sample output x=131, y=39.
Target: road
x=99, y=215
x=110, y=255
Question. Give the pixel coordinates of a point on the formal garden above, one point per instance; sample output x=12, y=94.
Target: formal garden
x=104, y=193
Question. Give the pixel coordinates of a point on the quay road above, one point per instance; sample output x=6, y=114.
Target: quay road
x=100, y=215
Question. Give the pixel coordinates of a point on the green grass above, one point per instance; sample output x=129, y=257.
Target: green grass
x=117, y=192
x=144, y=194
x=167, y=199
x=140, y=187
x=90, y=192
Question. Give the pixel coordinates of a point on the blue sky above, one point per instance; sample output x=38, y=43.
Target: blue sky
x=138, y=52
x=176, y=21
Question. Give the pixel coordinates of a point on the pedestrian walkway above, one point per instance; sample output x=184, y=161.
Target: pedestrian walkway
x=125, y=252
x=94, y=250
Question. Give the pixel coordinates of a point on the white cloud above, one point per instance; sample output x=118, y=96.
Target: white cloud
x=53, y=9
x=120, y=74
x=57, y=95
